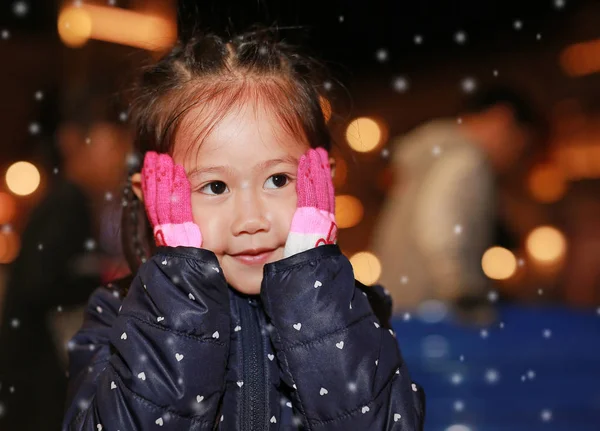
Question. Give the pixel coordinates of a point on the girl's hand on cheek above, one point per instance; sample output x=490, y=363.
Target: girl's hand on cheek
x=313, y=223
x=168, y=202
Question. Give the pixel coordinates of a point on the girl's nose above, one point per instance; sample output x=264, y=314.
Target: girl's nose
x=250, y=215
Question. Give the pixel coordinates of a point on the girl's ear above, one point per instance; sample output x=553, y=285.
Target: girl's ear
x=136, y=186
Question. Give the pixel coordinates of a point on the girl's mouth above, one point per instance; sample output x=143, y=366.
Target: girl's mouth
x=254, y=256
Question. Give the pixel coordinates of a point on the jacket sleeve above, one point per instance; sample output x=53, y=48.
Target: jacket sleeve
x=159, y=359
x=342, y=364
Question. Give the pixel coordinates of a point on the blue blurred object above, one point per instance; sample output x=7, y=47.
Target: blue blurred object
x=534, y=369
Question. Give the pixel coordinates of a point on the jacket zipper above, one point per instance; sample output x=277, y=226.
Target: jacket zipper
x=254, y=407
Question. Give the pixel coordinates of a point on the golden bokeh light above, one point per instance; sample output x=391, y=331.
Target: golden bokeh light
x=8, y=208
x=364, y=134
x=546, y=244
x=499, y=263
x=367, y=268
x=9, y=246
x=546, y=183
x=74, y=26
x=348, y=211
x=22, y=178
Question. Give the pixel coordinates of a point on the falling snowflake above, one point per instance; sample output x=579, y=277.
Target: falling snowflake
x=55, y=171
x=484, y=333
x=538, y=36
x=83, y=404
x=382, y=55
x=518, y=25
x=406, y=317
x=88, y=141
x=40, y=246
x=436, y=150
x=15, y=323
x=462, y=358
x=404, y=279
x=468, y=85
x=34, y=128
x=459, y=405
x=385, y=153
x=38, y=95
x=530, y=374
x=112, y=2
x=491, y=376
x=547, y=333
x=546, y=415
x=456, y=379
x=460, y=37
x=123, y=116
x=459, y=120
x=492, y=296
x=458, y=229
x=495, y=72
x=559, y=4
x=598, y=311
x=418, y=39
x=501, y=325
x=5, y=34
x=400, y=84
x=59, y=308
x=327, y=85
x=352, y=387
x=521, y=262
x=540, y=292
x=341, y=18
x=108, y=196
x=90, y=244
x=20, y=8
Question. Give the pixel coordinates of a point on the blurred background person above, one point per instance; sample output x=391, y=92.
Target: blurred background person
x=60, y=262
x=444, y=209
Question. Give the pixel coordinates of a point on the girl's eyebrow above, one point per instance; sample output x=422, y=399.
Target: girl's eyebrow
x=267, y=164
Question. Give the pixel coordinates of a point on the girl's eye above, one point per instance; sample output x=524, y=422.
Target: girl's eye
x=214, y=188
x=276, y=181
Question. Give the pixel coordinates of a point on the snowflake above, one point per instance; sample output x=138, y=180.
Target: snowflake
x=468, y=85
x=40, y=246
x=341, y=18
x=492, y=296
x=495, y=72
x=15, y=323
x=112, y=2
x=5, y=34
x=108, y=196
x=38, y=95
x=77, y=3
x=385, y=153
x=34, y=128
x=458, y=229
x=459, y=405
x=546, y=415
x=540, y=292
x=382, y=55
x=518, y=25
x=456, y=378
x=7, y=228
x=418, y=39
x=598, y=311
x=352, y=387
x=404, y=279
x=327, y=85
x=59, y=308
x=88, y=141
x=20, y=8
x=123, y=116
x=90, y=244
x=538, y=36
x=559, y=4
x=462, y=358
x=406, y=317
x=492, y=376
x=501, y=325
x=521, y=262
x=530, y=374
x=83, y=404
x=55, y=171
x=459, y=120
x=436, y=150
x=400, y=84
x=547, y=333
x=460, y=37
x=484, y=333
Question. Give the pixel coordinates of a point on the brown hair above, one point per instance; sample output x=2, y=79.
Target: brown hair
x=215, y=74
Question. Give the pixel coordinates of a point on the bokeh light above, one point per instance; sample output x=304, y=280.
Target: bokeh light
x=546, y=183
x=22, y=178
x=74, y=26
x=367, y=268
x=364, y=134
x=8, y=208
x=546, y=244
x=9, y=246
x=348, y=211
x=499, y=263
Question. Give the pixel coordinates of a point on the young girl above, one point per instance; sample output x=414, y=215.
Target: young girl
x=247, y=316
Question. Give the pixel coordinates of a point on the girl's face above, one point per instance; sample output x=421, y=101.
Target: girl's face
x=243, y=179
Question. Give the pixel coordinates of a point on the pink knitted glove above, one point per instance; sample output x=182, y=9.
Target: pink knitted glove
x=168, y=201
x=314, y=220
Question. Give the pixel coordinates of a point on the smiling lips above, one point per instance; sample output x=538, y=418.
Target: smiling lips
x=255, y=256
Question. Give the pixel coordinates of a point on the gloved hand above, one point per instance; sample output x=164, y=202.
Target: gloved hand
x=313, y=223
x=168, y=202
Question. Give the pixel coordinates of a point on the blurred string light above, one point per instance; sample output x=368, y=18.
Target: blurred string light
x=547, y=183
x=366, y=266
x=9, y=245
x=348, y=211
x=365, y=134
x=581, y=58
x=8, y=208
x=499, y=263
x=546, y=244
x=22, y=178
x=78, y=24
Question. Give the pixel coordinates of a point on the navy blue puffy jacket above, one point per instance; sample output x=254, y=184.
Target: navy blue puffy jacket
x=183, y=351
